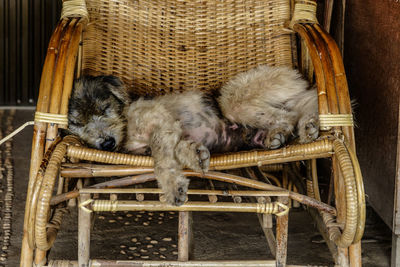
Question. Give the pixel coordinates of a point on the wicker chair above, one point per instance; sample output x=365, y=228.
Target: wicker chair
x=158, y=46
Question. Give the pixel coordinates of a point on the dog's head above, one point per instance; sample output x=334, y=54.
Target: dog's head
x=95, y=111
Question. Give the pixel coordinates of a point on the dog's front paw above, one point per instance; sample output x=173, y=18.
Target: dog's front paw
x=308, y=130
x=176, y=195
x=275, y=139
x=193, y=155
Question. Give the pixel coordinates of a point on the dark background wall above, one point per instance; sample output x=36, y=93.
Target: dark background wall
x=25, y=29
x=372, y=61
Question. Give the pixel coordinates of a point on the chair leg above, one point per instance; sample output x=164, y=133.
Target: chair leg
x=40, y=257
x=355, y=255
x=343, y=257
x=26, y=253
x=185, y=236
x=281, y=236
x=83, y=234
x=38, y=140
x=267, y=225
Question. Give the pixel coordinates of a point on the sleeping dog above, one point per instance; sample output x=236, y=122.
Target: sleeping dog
x=260, y=108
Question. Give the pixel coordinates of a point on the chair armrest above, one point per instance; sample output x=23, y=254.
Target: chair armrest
x=55, y=87
x=57, y=76
x=333, y=94
x=334, y=99
x=59, y=66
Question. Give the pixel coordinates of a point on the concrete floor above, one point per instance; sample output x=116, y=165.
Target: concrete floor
x=217, y=236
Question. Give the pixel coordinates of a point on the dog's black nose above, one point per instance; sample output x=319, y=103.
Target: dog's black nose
x=108, y=144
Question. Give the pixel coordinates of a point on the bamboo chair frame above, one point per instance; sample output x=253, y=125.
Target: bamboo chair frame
x=343, y=226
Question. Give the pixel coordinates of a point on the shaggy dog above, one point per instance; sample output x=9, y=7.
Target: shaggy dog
x=261, y=108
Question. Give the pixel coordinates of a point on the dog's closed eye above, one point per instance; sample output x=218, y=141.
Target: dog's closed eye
x=75, y=124
x=105, y=108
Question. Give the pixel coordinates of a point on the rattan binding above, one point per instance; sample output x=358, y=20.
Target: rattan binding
x=304, y=12
x=51, y=118
x=327, y=121
x=74, y=8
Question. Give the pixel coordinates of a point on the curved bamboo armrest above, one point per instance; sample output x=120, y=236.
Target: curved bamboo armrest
x=58, y=74
x=333, y=94
x=334, y=100
x=51, y=110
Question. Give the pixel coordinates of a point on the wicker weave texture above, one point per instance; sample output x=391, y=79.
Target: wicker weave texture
x=158, y=46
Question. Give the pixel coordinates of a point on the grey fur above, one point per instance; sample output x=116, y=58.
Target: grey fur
x=263, y=107
x=277, y=99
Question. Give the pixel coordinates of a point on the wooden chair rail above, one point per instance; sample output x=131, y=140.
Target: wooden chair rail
x=110, y=263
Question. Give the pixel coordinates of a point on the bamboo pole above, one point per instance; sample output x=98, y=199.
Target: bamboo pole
x=133, y=205
x=83, y=234
x=190, y=192
x=281, y=236
x=64, y=197
x=85, y=170
x=185, y=236
x=221, y=263
x=327, y=69
x=70, y=64
x=318, y=149
x=254, y=263
x=224, y=177
x=340, y=80
x=345, y=105
x=340, y=191
x=339, y=186
x=39, y=133
x=66, y=48
x=58, y=80
x=60, y=66
x=55, y=200
x=265, y=221
x=348, y=131
x=316, y=215
x=323, y=107
x=314, y=176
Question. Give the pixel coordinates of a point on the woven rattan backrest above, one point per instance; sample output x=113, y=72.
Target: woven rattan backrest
x=158, y=46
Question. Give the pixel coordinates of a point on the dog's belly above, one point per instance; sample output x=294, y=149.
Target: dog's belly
x=203, y=135
x=221, y=138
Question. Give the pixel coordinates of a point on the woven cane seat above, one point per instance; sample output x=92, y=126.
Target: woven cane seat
x=158, y=46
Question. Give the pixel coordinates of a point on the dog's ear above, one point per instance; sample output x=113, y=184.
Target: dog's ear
x=117, y=88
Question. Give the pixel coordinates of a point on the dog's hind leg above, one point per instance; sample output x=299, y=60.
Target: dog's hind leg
x=278, y=135
x=308, y=123
x=308, y=128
